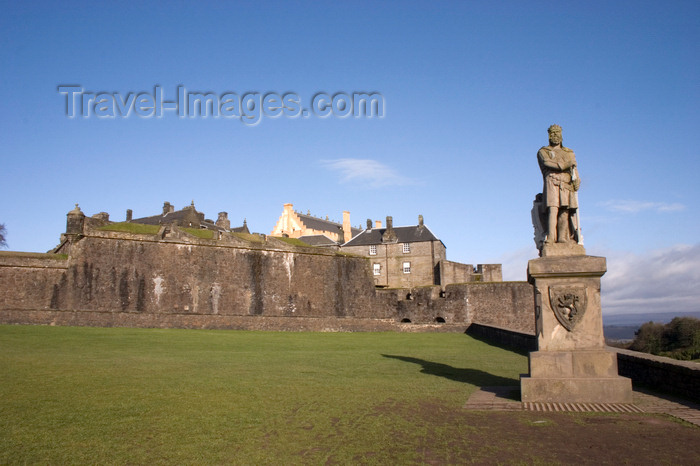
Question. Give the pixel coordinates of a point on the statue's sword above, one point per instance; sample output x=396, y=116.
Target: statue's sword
x=579, y=235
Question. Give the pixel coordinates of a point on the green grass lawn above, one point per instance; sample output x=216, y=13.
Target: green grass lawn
x=200, y=233
x=129, y=227
x=92, y=395
x=34, y=255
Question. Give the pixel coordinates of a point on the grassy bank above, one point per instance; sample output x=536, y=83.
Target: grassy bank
x=182, y=396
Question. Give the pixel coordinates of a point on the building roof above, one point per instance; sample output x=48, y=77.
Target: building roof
x=410, y=234
x=241, y=229
x=159, y=219
x=318, y=240
x=183, y=215
x=168, y=217
x=320, y=224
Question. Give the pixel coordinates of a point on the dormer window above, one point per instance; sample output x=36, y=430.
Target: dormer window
x=406, y=248
x=373, y=250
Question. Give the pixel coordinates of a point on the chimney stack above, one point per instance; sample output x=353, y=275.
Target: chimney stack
x=377, y=224
x=129, y=214
x=223, y=221
x=347, y=232
x=167, y=208
x=420, y=221
x=369, y=223
x=389, y=235
x=286, y=220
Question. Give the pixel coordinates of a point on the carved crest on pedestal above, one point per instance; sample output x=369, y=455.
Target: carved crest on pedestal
x=568, y=303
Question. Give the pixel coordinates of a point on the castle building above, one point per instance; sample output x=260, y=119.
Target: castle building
x=410, y=256
x=400, y=257
x=313, y=230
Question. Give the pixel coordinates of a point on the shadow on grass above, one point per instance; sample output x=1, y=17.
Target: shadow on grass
x=472, y=376
x=517, y=343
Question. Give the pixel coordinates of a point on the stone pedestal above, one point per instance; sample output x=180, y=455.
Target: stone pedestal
x=572, y=364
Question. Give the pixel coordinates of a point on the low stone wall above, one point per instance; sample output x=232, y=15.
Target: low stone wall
x=521, y=342
x=227, y=322
x=660, y=373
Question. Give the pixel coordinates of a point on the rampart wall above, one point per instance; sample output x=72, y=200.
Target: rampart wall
x=113, y=272
x=174, y=279
x=455, y=272
x=27, y=281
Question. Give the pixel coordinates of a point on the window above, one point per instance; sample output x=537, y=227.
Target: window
x=373, y=250
x=406, y=267
x=406, y=248
x=377, y=269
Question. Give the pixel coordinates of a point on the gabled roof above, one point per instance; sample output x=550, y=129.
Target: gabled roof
x=319, y=224
x=241, y=229
x=184, y=214
x=410, y=234
x=169, y=217
x=318, y=240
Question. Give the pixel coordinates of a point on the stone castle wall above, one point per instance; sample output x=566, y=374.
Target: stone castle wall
x=177, y=280
x=506, y=304
x=27, y=281
x=455, y=272
x=490, y=272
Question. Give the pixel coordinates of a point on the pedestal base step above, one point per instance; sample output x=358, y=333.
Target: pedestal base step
x=583, y=407
x=604, y=390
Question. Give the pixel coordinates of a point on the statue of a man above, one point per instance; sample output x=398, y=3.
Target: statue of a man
x=561, y=181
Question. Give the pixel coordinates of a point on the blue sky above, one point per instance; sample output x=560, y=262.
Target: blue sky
x=469, y=90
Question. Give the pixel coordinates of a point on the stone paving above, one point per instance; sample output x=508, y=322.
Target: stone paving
x=508, y=399
x=652, y=402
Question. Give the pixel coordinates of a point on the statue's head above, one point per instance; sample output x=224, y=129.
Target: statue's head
x=555, y=137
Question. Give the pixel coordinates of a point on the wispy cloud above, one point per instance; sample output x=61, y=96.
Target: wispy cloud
x=633, y=207
x=661, y=281
x=665, y=280
x=515, y=263
x=366, y=172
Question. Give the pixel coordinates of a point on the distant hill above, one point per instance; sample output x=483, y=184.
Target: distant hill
x=643, y=318
x=620, y=332
x=621, y=327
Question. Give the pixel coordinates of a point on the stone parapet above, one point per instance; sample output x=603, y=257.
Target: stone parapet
x=35, y=261
x=660, y=373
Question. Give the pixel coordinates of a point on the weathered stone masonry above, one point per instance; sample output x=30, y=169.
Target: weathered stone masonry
x=174, y=279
